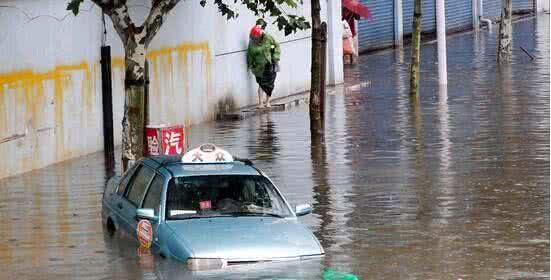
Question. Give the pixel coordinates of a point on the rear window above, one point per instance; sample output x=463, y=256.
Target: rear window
x=153, y=197
x=126, y=178
x=139, y=184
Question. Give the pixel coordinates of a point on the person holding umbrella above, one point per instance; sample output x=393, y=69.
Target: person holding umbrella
x=352, y=10
x=263, y=56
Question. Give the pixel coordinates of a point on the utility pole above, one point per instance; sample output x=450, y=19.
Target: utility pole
x=415, y=49
x=441, y=41
x=504, y=50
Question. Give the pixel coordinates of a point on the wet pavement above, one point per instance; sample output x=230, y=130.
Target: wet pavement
x=454, y=184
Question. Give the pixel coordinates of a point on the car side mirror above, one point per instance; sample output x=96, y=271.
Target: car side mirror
x=303, y=209
x=146, y=213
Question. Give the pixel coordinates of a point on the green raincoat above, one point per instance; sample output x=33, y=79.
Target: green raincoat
x=261, y=54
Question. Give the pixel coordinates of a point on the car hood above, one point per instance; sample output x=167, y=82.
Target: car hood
x=246, y=238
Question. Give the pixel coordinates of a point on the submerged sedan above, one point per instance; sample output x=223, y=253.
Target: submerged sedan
x=207, y=209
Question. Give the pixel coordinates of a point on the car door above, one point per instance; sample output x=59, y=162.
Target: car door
x=153, y=200
x=113, y=200
x=133, y=197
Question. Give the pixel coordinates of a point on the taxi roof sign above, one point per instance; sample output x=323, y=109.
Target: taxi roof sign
x=207, y=153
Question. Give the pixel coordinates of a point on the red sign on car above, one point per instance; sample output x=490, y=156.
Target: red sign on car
x=145, y=233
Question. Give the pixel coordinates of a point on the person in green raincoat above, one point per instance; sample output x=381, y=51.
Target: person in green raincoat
x=263, y=56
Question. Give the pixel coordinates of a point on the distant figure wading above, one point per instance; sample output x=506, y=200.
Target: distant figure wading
x=263, y=60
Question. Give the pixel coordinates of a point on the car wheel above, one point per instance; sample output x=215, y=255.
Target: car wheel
x=110, y=227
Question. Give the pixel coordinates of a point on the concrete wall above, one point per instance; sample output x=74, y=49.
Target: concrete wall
x=50, y=102
x=543, y=5
x=50, y=79
x=197, y=62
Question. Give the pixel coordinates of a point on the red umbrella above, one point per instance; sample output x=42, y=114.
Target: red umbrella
x=357, y=7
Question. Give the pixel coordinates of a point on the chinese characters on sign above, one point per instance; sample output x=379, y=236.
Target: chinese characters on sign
x=173, y=141
x=153, y=147
x=165, y=140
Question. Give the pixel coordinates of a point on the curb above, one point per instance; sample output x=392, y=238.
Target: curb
x=287, y=102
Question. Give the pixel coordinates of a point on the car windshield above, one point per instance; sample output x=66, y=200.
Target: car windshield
x=223, y=195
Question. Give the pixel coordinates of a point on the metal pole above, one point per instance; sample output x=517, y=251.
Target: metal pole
x=441, y=37
x=107, y=105
x=398, y=24
x=475, y=15
x=146, y=104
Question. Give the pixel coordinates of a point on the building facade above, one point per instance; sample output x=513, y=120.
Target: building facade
x=392, y=20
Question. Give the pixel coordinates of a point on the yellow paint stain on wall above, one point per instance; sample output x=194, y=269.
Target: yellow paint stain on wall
x=28, y=86
x=170, y=66
x=169, y=63
x=117, y=63
x=32, y=94
x=182, y=49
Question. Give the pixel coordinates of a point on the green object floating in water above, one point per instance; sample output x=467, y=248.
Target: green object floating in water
x=329, y=274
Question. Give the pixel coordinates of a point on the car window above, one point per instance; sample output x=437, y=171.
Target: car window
x=222, y=195
x=138, y=185
x=126, y=178
x=153, y=196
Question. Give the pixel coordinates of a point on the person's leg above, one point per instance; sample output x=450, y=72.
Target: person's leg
x=355, y=56
x=269, y=89
x=260, y=104
x=268, y=105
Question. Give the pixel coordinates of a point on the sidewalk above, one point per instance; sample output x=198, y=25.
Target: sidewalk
x=287, y=102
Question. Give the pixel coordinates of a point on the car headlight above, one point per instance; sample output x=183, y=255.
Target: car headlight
x=205, y=264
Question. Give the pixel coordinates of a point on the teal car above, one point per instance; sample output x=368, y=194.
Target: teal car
x=207, y=209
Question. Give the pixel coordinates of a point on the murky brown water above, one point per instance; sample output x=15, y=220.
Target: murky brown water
x=452, y=185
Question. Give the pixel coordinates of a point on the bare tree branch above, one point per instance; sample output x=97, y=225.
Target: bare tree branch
x=103, y=4
x=117, y=10
x=157, y=16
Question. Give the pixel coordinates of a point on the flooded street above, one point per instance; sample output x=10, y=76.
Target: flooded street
x=454, y=184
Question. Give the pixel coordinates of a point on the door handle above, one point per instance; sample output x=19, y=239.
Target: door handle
x=119, y=205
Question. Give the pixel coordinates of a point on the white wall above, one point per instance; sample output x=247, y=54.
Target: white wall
x=188, y=81
x=50, y=106
x=50, y=80
x=543, y=5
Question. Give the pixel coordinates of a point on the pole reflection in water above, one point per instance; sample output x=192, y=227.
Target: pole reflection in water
x=322, y=192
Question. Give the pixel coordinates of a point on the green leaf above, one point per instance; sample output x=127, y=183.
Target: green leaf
x=291, y=3
x=74, y=6
x=288, y=23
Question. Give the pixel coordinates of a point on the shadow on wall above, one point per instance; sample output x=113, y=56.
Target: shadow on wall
x=225, y=105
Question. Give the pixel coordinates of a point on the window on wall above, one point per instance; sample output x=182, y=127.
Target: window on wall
x=138, y=186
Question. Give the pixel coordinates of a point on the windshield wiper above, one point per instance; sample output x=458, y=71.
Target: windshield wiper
x=255, y=214
x=176, y=217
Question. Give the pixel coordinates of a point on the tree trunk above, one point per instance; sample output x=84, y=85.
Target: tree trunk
x=504, y=49
x=134, y=88
x=323, y=70
x=316, y=126
x=415, y=49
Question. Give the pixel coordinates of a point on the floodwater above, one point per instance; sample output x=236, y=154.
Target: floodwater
x=454, y=184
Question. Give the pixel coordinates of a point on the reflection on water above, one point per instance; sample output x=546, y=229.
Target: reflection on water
x=453, y=184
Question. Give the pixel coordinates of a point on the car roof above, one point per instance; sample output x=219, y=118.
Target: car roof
x=177, y=168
